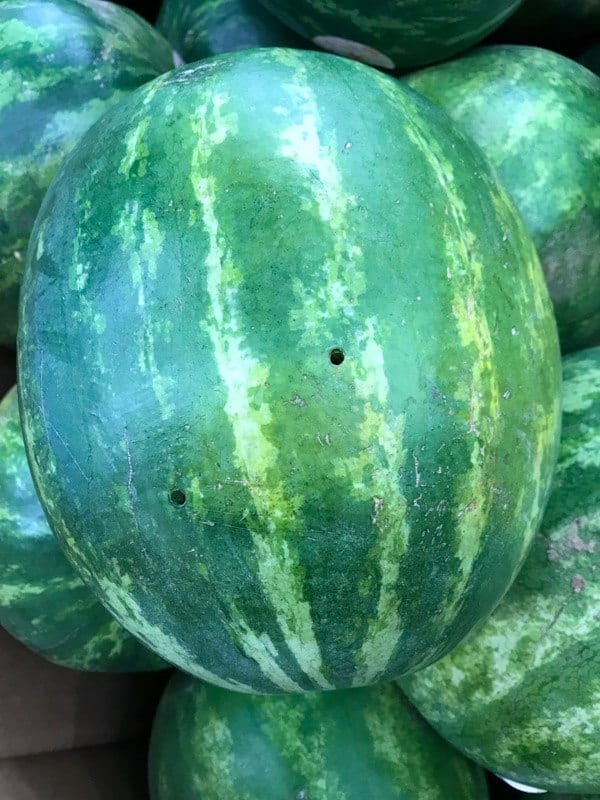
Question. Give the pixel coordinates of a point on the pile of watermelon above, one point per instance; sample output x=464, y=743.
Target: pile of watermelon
x=305, y=303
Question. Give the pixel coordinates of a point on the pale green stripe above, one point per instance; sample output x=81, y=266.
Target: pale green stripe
x=341, y=285
x=480, y=389
x=278, y=563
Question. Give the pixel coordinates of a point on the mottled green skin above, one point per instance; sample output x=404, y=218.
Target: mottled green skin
x=43, y=602
x=536, y=115
x=394, y=34
x=522, y=696
x=202, y=28
x=211, y=744
x=343, y=524
x=591, y=59
x=63, y=64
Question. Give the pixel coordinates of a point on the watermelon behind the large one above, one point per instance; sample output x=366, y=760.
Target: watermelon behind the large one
x=522, y=696
x=43, y=602
x=62, y=64
x=536, y=116
x=394, y=34
x=289, y=372
x=361, y=744
x=201, y=28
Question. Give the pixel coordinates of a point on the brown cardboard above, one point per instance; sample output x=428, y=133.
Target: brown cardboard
x=116, y=772
x=45, y=708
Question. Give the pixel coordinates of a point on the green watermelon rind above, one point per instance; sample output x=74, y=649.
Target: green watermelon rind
x=347, y=745
x=219, y=439
x=50, y=95
x=394, y=34
x=536, y=116
x=200, y=30
x=43, y=602
x=519, y=696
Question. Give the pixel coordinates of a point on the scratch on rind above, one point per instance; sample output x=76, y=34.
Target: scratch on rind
x=66, y=446
x=130, y=468
x=417, y=473
x=552, y=623
x=47, y=424
x=41, y=404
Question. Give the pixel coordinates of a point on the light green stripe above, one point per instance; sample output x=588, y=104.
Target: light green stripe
x=341, y=285
x=242, y=374
x=479, y=389
x=389, y=509
x=474, y=34
x=117, y=591
x=301, y=737
x=143, y=264
x=10, y=593
x=215, y=745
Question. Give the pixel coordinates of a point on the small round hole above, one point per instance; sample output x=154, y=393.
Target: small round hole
x=336, y=356
x=177, y=497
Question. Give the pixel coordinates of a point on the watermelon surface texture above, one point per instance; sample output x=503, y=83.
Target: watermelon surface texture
x=394, y=34
x=301, y=409
x=63, y=63
x=43, y=602
x=211, y=744
x=521, y=696
x=202, y=28
x=536, y=116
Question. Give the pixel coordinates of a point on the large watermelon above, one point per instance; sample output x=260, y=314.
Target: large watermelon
x=211, y=744
x=62, y=64
x=43, y=602
x=522, y=696
x=536, y=115
x=201, y=28
x=394, y=34
x=289, y=372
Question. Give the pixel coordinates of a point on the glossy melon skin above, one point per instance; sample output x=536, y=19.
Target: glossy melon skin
x=202, y=28
x=211, y=744
x=266, y=517
x=521, y=696
x=50, y=95
x=43, y=602
x=536, y=116
x=394, y=34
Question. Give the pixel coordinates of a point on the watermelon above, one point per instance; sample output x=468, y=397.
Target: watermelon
x=43, y=602
x=278, y=412
x=536, y=115
x=211, y=744
x=521, y=696
x=202, y=28
x=50, y=94
x=394, y=34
